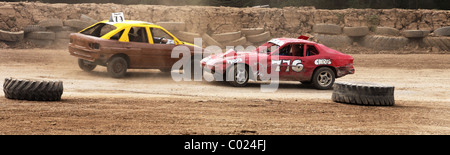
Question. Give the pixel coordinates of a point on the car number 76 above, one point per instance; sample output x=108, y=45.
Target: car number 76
x=296, y=66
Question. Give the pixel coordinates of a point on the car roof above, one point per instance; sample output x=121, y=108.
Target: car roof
x=129, y=23
x=294, y=40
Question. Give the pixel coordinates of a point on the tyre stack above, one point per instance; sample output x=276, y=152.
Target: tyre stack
x=7, y=36
x=230, y=39
x=55, y=32
x=385, y=38
x=256, y=36
x=331, y=35
x=440, y=40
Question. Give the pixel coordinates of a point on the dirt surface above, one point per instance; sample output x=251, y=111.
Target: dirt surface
x=150, y=102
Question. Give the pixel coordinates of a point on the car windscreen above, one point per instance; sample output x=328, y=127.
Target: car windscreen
x=267, y=48
x=99, y=30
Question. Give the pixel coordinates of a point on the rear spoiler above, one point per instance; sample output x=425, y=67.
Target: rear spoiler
x=303, y=37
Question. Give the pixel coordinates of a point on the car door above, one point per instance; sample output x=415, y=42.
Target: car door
x=157, y=54
x=311, y=54
x=281, y=60
x=132, y=48
x=296, y=59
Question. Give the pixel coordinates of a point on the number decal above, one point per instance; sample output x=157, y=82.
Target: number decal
x=288, y=62
x=278, y=62
x=297, y=65
x=117, y=17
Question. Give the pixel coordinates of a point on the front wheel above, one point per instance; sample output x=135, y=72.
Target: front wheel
x=117, y=67
x=85, y=65
x=323, y=78
x=239, y=75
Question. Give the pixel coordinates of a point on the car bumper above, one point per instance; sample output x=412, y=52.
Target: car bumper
x=342, y=71
x=87, y=54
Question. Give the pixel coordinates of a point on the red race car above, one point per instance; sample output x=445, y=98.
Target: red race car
x=289, y=59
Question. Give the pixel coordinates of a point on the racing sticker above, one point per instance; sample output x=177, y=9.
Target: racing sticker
x=296, y=66
x=234, y=61
x=322, y=62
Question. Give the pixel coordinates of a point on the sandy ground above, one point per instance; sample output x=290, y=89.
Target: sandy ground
x=150, y=102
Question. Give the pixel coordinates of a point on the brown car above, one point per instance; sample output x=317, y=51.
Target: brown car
x=127, y=45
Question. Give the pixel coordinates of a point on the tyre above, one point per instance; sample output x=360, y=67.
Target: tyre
x=387, y=31
x=363, y=94
x=327, y=29
x=41, y=35
x=356, y=31
x=442, y=43
x=444, y=31
x=415, y=33
x=51, y=23
x=63, y=34
x=11, y=36
x=117, y=67
x=240, y=41
x=259, y=37
x=210, y=41
x=383, y=42
x=323, y=78
x=63, y=28
x=32, y=28
x=226, y=37
x=187, y=36
x=33, y=90
x=86, y=65
x=238, y=75
x=334, y=40
x=252, y=31
x=41, y=43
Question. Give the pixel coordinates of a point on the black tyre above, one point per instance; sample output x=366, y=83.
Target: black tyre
x=117, y=67
x=33, y=90
x=363, y=94
x=238, y=75
x=85, y=65
x=323, y=78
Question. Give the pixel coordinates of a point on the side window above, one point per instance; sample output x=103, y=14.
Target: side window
x=311, y=50
x=297, y=50
x=285, y=51
x=138, y=34
x=117, y=35
x=99, y=30
x=161, y=37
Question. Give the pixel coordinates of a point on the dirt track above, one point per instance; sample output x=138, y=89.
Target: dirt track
x=150, y=102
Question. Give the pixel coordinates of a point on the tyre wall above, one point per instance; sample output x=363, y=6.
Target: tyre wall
x=278, y=22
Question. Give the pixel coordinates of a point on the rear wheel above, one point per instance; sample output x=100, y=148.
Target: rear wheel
x=86, y=65
x=239, y=75
x=323, y=78
x=117, y=67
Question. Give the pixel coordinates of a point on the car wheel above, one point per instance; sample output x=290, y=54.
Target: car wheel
x=323, y=78
x=239, y=75
x=117, y=67
x=86, y=66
